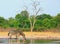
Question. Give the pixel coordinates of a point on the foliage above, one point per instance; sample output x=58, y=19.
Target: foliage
x=43, y=21
x=3, y=22
x=22, y=19
x=43, y=16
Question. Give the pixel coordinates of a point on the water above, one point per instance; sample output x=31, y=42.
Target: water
x=6, y=41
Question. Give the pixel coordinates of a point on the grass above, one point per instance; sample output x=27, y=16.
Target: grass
x=39, y=41
x=36, y=41
x=43, y=41
x=36, y=35
x=1, y=41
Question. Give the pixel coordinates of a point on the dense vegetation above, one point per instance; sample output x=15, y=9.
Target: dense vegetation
x=43, y=21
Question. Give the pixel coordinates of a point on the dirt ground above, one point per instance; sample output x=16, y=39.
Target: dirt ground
x=35, y=35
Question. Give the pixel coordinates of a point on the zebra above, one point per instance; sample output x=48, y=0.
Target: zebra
x=16, y=33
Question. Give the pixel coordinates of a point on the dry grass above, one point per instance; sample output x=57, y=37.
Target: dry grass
x=39, y=35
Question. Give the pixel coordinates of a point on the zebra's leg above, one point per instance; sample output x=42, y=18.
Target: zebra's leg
x=10, y=41
x=17, y=40
x=24, y=39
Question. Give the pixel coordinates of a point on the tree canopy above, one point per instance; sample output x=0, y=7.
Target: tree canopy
x=43, y=21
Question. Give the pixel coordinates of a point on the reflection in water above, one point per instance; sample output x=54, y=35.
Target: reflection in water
x=6, y=41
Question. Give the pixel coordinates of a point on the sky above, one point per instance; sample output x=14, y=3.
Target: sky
x=9, y=8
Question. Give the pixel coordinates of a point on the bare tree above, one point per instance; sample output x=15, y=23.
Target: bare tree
x=35, y=10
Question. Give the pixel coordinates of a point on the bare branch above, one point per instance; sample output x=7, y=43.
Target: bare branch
x=25, y=7
x=38, y=11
